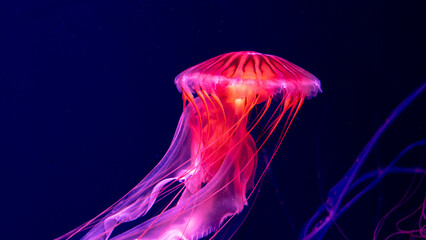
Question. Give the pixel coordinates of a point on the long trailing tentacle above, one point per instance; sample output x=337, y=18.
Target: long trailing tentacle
x=318, y=225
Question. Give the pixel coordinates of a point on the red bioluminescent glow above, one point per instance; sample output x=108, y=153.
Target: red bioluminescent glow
x=209, y=171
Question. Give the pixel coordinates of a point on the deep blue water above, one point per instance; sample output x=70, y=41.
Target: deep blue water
x=88, y=103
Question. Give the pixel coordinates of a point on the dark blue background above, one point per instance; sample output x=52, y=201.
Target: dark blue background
x=88, y=104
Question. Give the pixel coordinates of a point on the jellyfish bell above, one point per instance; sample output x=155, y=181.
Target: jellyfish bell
x=209, y=171
x=243, y=74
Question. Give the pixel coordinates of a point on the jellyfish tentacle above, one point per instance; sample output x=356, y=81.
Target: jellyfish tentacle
x=137, y=202
x=195, y=210
x=274, y=124
x=318, y=224
x=217, y=100
x=165, y=168
x=235, y=153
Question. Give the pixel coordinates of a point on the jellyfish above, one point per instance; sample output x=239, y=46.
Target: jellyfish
x=210, y=169
x=355, y=184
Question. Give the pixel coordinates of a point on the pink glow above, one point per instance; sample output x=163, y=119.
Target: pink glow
x=210, y=167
